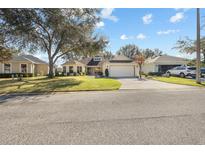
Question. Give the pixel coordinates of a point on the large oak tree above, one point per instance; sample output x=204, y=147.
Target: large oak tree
x=131, y=50
x=56, y=32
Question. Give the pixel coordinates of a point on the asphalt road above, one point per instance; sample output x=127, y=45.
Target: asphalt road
x=113, y=117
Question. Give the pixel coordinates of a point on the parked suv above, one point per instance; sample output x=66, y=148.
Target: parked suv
x=203, y=72
x=182, y=71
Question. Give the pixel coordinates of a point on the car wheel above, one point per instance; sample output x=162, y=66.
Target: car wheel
x=182, y=75
x=168, y=74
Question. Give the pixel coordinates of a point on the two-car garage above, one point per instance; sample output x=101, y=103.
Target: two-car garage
x=122, y=66
x=122, y=71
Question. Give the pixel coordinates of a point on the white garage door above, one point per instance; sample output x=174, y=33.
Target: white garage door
x=121, y=71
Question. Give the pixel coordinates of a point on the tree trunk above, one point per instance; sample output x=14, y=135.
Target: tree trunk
x=140, y=70
x=204, y=56
x=51, y=66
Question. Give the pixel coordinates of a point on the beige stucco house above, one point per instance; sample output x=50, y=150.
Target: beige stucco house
x=162, y=63
x=122, y=66
x=119, y=66
x=73, y=66
x=24, y=64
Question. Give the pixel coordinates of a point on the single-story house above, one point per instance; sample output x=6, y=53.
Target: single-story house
x=122, y=66
x=162, y=63
x=119, y=66
x=24, y=64
x=73, y=66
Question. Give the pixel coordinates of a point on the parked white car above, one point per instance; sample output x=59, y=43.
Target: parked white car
x=182, y=71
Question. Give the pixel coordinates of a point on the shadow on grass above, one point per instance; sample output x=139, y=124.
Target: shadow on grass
x=45, y=87
x=4, y=82
x=52, y=85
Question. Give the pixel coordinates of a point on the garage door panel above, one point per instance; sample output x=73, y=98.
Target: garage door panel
x=121, y=71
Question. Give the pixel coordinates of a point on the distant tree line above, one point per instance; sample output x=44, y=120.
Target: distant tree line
x=131, y=50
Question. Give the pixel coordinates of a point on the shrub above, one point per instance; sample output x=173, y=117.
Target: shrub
x=100, y=73
x=106, y=72
x=155, y=73
x=82, y=73
x=145, y=74
x=16, y=75
x=60, y=74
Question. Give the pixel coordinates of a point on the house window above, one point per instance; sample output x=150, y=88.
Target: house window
x=7, y=68
x=79, y=69
x=70, y=69
x=64, y=69
x=97, y=59
x=23, y=68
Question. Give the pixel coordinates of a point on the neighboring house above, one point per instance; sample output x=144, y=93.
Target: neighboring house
x=24, y=64
x=73, y=66
x=119, y=66
x=58, y=69
x=94, y=65
x=162, y=63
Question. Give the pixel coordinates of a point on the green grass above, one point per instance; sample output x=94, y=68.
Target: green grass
x=178, y=80
x=58, y=84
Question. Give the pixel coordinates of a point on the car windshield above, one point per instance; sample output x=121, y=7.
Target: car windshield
x=191, y=68
x=174, y=68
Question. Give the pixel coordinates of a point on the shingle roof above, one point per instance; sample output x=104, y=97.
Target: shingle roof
x=35, y=59
x=18, y=58
x=28, y=58
x=90, y=62
x=165, y=58
x=121, y=58
x=72, y=62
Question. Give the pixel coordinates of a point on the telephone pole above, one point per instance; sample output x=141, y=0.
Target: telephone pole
x=198, y=53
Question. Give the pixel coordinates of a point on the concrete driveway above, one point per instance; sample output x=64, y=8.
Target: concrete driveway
x=134, y=83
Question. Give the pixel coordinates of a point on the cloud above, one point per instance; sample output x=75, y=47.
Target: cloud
x=100, y=24
x=167, y=32
x=141, y=36
x=123, y=37
x=177, y=17
x=182, y=9
x=107, y=14
x=147, y=19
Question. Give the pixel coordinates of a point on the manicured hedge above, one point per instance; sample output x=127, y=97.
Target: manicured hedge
x=9, y=75
x=70, y=74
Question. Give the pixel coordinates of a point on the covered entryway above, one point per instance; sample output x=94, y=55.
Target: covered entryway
x=121, y=71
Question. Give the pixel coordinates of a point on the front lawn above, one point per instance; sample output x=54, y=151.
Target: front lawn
x=178, y=80
x=62, y=84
